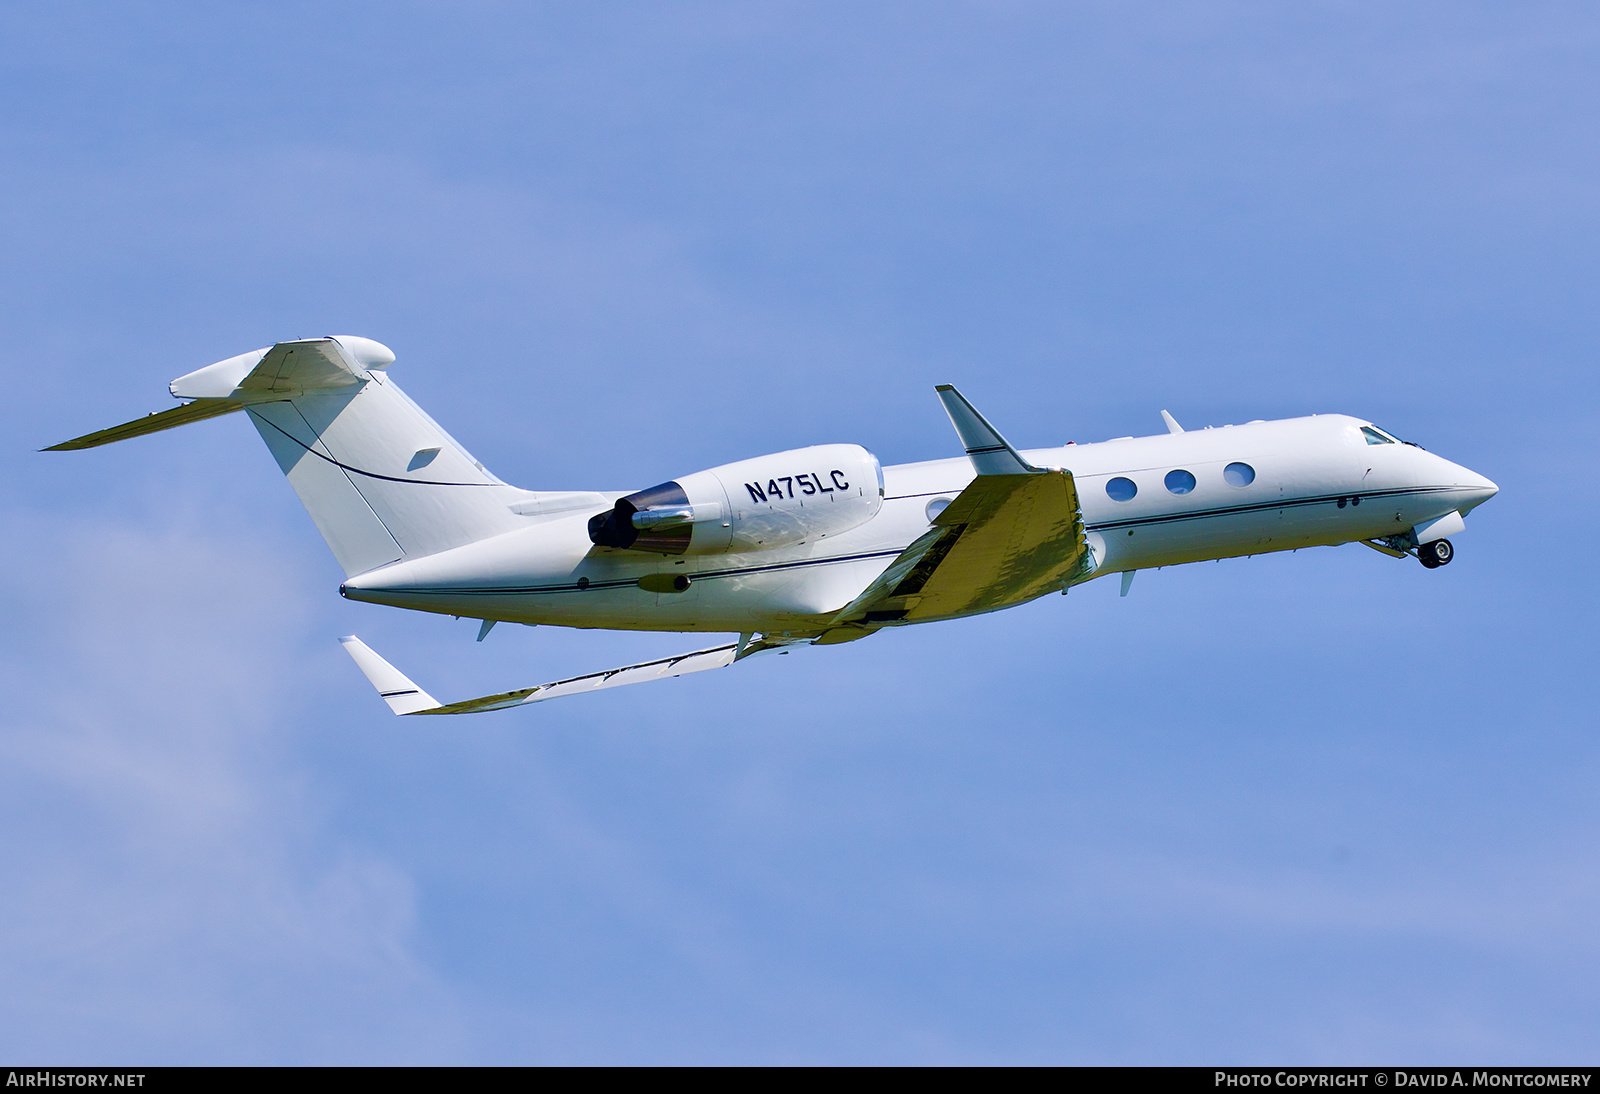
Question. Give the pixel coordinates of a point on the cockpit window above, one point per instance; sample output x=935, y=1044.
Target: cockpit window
x=1377, y=436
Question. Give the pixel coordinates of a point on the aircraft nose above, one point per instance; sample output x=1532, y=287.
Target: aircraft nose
x=1478, y=488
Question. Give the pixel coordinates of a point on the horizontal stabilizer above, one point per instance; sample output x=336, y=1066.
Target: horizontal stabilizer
x=404, y=697
x=197, y=411
x=307, y=366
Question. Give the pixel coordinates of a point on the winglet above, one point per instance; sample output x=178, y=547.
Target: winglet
x=1172, y=423
x=403, y=696
x=989, y=452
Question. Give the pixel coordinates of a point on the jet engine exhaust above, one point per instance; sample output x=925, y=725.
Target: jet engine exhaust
x=658, y=519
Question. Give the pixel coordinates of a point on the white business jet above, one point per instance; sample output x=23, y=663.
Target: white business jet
x=814, y=546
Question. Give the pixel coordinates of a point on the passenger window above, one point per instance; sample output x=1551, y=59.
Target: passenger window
x=1375, y=436
x=1239, y=474
x=1180, y=482
x=1121, y=489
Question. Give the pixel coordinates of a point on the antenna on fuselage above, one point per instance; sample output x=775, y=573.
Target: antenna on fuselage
x=1172, y=423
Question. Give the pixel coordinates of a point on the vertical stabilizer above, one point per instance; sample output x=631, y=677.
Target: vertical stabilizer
x=379, y=477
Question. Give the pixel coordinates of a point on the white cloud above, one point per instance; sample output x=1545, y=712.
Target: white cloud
x=169, y=886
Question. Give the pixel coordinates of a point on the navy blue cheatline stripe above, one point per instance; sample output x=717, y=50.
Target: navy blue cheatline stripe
x=1281, y=503
x=571, y=587
x=357, y=470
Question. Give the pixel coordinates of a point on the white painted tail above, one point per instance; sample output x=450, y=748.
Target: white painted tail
x=379, y=477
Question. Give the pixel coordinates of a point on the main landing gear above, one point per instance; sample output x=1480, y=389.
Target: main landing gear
x=1435, y=554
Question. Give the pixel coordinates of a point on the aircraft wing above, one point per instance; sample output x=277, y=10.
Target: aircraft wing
x=1004, y=540
x=405, y=697
x=1015, y=533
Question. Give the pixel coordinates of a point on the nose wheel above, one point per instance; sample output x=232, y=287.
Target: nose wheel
x=1436, y=554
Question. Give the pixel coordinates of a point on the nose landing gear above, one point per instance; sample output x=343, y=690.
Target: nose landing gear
x=1435, y=554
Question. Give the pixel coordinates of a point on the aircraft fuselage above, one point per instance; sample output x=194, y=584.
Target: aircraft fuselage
x=1195, y=496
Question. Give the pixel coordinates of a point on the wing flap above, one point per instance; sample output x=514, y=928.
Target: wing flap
x=876, y=595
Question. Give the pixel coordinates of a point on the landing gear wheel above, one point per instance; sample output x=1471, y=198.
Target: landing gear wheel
x=1436, y=554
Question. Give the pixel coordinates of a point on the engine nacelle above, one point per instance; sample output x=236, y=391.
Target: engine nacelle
x=771, y=501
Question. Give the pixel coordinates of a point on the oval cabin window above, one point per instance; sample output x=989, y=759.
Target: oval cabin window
x=1180, y=482
x=1121, y=489
x=1239, y=474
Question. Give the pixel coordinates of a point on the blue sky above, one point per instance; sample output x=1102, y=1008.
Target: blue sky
x=1322, y=807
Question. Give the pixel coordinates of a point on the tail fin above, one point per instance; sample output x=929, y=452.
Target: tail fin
x=379, y=477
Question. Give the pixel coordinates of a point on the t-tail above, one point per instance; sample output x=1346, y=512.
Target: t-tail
x=379, y=477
